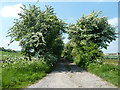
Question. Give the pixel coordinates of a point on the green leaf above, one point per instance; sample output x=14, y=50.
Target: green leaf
x=17, y=39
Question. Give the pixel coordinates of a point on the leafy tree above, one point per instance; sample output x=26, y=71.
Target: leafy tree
x=92, y=27
x=87, y=54
x=57, y=46
x=67, y=52
x=37, y=30
x=91, y=33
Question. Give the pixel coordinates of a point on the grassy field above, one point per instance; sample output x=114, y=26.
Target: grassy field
x=6, y=55
x=18, y=72
x=110, y=59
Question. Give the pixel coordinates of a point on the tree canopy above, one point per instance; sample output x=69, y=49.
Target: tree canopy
x=90, y=34
x=92, y=27
x=38, y=30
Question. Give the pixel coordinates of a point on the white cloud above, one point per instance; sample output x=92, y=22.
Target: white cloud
x=14, y=46
x=112, y=48
x=11, y=10
x=113, y=21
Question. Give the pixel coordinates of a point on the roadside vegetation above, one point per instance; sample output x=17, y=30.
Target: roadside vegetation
x=18, y=72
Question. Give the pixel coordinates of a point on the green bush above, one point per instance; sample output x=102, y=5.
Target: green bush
x=67, y=52
x=50, y=59
x=87, y=54
x=106, y=71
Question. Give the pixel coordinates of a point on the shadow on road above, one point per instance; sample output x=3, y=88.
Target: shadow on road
x=63, y=66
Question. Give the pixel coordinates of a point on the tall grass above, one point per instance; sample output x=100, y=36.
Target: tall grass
x=106, y=71
x=20, y=75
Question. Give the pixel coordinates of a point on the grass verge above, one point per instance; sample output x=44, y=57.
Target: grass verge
x=106, y=71
x=18, y=76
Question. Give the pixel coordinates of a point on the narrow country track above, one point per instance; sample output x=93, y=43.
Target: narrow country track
x=61, y=77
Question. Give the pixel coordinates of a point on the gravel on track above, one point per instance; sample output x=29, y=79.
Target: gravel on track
x=76, y=77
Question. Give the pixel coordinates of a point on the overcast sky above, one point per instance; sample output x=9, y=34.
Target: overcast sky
x=68, y=11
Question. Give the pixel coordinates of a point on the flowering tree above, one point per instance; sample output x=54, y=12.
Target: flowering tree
x=37, y=30
x=91, y=33
x=92, y=28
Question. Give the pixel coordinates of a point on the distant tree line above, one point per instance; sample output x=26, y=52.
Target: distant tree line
x=7, y=50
